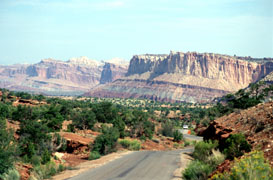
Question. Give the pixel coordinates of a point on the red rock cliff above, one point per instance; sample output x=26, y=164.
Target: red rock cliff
x=192, y=77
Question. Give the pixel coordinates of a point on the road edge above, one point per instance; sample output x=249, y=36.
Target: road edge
x=185, y=159
x=89, y=165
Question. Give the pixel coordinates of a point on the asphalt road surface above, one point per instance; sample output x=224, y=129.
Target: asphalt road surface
x=141, y=165
x=190, y=137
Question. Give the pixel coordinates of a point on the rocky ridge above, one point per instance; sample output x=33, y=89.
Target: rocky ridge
x=191, y=76
x=268, y=78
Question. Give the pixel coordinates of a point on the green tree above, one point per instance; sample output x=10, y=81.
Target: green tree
x=167, y=129
x=53, y=118
x=120, y=125
x=8, y=148
x=236, y=145
x=84, y=119
x=177, y=136
x=34, y=138
x=22, y=113
x=5, y=110
x=107, y=141
x=39, y=97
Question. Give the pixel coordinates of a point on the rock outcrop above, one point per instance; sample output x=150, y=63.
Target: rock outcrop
x=112, y=72
x=194, y=77
x=255, y=123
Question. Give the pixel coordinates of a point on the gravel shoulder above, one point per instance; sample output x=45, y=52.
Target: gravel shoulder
x=185, y=159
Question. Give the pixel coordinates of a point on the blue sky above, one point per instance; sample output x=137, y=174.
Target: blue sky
x=31, y=30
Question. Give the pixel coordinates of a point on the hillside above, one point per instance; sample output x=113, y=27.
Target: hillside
x=191, y=76
x=256, y=123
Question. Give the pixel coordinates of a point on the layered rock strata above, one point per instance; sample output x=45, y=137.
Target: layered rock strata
x=192, y=77
x=53, y=77
x=112, y=72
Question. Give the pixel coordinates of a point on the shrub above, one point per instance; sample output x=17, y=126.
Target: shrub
x=167, y=129
x=250, y=167
x=197, y=170
x=177, y=136
x=61, y=168
x=125, y=143
x=8, y=147
x=143, y=138
x=186, y=143
x=45, y=171
x=120, y=125
x=107, y=141
x=45, y=157
x=11, y=174
x=135, y=145
x=236, y=145
x=175, y=145
x=131, y=145
x=203, y=150
x=35, y=160
x=84, y=119
x=94, y=155
x=148, y=129
x=215, y=158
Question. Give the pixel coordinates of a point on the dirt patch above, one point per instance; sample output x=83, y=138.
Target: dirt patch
x=76, y=143
x=160, y=144
x=87, y=165
x=73, y=160
x=15, y=126
x=24, y=170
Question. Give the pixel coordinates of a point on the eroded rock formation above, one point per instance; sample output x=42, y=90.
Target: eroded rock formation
x=255, y=123
x=192, y=77
x=112, y=72
x=53, y=77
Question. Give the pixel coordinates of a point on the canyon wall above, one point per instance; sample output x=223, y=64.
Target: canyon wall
x=53, y=77
x=112, y=72
x=194, y=77
x=175, y=77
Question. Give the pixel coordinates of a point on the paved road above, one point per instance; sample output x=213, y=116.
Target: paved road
x=190, y=137
x=141, y=165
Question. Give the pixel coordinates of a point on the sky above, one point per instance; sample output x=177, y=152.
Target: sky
x=31, y=30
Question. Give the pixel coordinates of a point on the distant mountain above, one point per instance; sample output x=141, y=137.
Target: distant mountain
x=54, y=77
x=111, y=72
x=191, y=76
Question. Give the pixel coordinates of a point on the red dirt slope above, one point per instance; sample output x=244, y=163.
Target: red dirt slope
x=256, y=123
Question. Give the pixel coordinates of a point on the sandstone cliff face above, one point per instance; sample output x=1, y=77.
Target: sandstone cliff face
x=194, y=77
x=53, y=77
x=230, y=73
x=85, y=74
x=111, y=72
x=50, y=76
